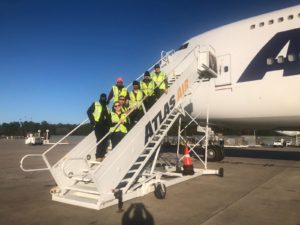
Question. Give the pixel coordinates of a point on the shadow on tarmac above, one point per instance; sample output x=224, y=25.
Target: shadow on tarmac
x=137, y=214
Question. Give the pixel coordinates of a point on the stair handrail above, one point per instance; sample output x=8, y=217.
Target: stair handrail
x=151, y=67
x=184, y=58
x=43, y=155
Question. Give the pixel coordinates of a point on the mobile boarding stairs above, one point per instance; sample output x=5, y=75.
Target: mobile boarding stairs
x=129, y=170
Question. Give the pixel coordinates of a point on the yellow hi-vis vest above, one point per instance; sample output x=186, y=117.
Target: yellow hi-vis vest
x=117, y=93
x=159, y=79
x=124, y=109
x=115, y=118
x=148, y=88
x=98, y=110
x=136, y=101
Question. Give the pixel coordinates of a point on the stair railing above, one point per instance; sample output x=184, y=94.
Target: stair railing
x=43, y=155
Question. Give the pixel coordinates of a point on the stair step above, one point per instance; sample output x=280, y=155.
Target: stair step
x=93, y=162
x=125, y=180
x=138, y=163
x=85, y=189
x=131, y=171
x=83, y=179
x=79, y=200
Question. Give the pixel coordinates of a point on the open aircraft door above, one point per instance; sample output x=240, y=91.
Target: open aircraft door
x=224, y=72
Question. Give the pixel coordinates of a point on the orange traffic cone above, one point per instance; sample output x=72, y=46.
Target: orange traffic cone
x=188, y=168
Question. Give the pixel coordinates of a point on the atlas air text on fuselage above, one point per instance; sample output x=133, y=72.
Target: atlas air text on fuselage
x=159, y=118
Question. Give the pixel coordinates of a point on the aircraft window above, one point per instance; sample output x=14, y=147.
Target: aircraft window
x=298, y=14
x=261, y=24
x=280, y=19
x=291, y=57
x=280, y=59
x=270, y=61
x=271, y=22
x=184, y=46
x=226, y=69
x=290, y=17
x=252, y=26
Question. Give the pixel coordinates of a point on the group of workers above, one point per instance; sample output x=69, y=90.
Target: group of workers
x=127, y=108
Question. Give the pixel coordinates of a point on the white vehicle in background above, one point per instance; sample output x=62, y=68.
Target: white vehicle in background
x=281, y=143
x=34, y=139
x=289, y=143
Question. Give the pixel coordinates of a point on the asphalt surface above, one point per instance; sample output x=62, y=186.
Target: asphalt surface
x=260, y=186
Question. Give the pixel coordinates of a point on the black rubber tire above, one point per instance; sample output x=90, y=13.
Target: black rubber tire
x=221, y=172
x=215, y=153
x=88, y=157
x=160, y=191
x=222, y=153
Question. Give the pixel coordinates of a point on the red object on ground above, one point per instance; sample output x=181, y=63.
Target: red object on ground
x=188, y=168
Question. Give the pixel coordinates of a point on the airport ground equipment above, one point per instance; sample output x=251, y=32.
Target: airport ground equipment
x=129, y=170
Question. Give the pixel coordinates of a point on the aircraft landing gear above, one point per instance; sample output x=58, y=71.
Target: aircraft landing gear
x=215, y=153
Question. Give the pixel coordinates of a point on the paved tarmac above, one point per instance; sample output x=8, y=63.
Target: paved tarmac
x=257, y=189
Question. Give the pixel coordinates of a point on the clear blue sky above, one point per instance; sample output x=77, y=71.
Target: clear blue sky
x=57, y=56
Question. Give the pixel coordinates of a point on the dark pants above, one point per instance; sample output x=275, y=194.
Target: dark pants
x=116, y=137
x=135, y=116
x=100, y=131
x=149, y=101
x=158, y=92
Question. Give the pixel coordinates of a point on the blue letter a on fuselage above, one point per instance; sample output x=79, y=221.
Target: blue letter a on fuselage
x=258, y=67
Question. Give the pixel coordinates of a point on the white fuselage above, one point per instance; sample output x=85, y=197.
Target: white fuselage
x=270, y=99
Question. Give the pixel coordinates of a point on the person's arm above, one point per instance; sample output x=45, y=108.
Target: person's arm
x=110, y=96
x=109, y=119
x=126, y=123
x=166, y=83
x=127, y=97
x=112, y=123
x=90, y=112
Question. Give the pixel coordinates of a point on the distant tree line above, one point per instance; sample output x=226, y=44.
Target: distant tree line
x=23, y=128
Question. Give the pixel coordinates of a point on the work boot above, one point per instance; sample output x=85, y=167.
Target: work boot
x=100, y=159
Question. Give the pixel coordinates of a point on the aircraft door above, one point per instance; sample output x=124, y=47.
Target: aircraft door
x=224, y=71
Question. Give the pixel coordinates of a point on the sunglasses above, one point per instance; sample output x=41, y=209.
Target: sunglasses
x=117, y=106
x=121, y=99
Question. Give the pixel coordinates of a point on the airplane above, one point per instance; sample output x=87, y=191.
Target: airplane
x=244, y=74
x=257, y=62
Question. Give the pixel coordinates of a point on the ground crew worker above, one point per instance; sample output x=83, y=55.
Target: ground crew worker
x=117, y=133
x=100, y=118
x=135, y=103
x=124, y=108
x=148, y=86
x=118, y=90
x=123, y=104
x=160, y=80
